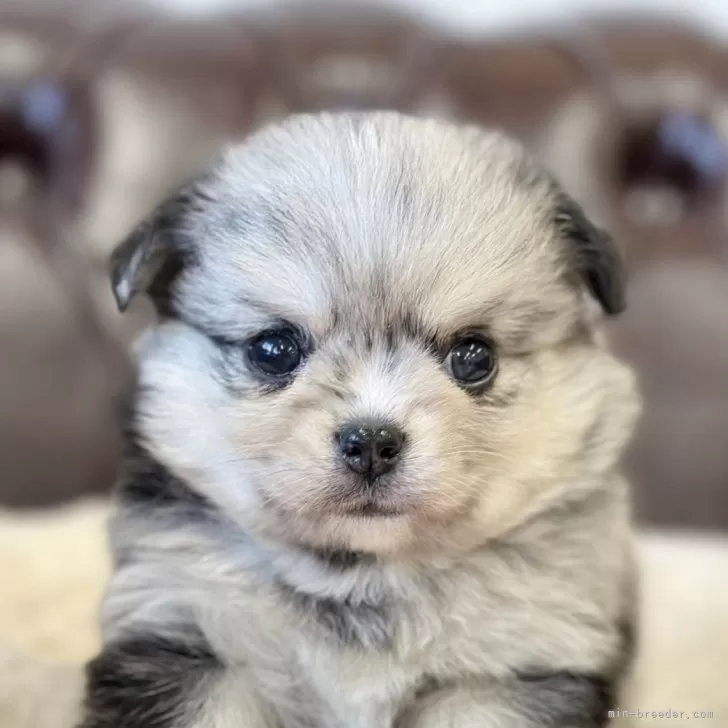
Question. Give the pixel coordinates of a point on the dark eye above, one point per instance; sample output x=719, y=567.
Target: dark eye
x=472, y=361
x=275, y=353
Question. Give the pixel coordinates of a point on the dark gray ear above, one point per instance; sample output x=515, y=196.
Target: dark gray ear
x=152, y=256
x=596, y=256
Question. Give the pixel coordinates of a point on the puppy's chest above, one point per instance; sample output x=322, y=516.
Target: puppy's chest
x=363, y=660
x=360, y=663
x=355, y=688
x=438, y=632
x=372, y=659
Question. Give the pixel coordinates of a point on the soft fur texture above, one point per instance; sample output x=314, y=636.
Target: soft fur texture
x=487, y=580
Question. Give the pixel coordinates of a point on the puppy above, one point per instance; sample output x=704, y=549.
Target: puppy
x=371, y=470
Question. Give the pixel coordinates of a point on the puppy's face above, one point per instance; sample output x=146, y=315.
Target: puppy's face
x=375, y=335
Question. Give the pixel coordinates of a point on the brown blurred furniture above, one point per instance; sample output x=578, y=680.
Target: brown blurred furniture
x=230, y=74
x=60, y=369
x=646, y=149
x=346, y=55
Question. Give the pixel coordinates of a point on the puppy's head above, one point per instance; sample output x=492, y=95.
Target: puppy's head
x=376, y=335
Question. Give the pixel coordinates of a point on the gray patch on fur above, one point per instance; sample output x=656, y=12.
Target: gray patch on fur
x=355, y=625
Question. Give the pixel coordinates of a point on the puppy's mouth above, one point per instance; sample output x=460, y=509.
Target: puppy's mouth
x=372, y=501
x=372, y=508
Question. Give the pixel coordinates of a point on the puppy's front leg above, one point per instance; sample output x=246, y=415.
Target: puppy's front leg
x=558, y=700
x=147, y=681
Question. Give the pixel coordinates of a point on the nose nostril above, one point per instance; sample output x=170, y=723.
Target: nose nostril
x=352, y=450
x=389, y=452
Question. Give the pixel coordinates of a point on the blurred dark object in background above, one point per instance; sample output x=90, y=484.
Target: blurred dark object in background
x=645, y=148
x=49, y=116
x=631, y=115
x=48, y=133
x=62, y=367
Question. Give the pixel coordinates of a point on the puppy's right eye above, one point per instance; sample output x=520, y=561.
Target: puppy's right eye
x=275, y=353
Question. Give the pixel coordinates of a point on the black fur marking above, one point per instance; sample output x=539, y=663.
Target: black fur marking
x=568, y=699
x=149, y=682
x=598, y=261
x=340, y=560
x=628, y=633
x=629, y=643
x=427, y=685
x=407, y=327
x=147, y=482
x=544, y=699
x=357, y=625
x=153, y=256
x=161, y=289
x=147, y=486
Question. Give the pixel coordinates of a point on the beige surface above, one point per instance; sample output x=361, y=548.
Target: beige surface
x=36, y=694
x=56, y=563
x=684, y=652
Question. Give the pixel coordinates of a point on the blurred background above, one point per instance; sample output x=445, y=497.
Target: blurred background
x=106, y=104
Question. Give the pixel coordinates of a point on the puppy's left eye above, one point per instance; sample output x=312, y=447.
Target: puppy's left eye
x=275, y=353
x=472, y=361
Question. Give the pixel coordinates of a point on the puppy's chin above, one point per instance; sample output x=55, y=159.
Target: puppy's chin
x=382, y=534
x=374, y=526
x=396, y=516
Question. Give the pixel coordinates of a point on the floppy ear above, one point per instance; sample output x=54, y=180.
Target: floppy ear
x=151, y=257
x=596, y=256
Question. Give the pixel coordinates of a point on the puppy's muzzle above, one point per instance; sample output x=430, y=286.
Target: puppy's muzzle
x=370, y=450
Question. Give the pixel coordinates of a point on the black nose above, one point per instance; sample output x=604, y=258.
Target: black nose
x=370, y=450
